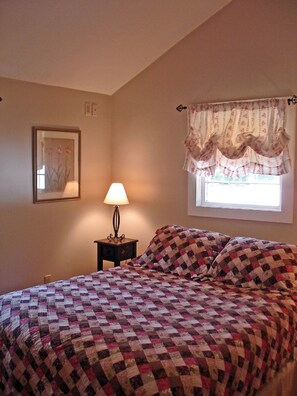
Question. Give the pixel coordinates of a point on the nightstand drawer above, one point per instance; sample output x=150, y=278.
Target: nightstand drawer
x=126, y=252
x=108, y=253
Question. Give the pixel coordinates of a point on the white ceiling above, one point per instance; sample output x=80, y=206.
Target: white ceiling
x=92, y=45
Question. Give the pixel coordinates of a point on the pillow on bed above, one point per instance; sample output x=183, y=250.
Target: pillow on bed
x=250, y=262
x=182, y=250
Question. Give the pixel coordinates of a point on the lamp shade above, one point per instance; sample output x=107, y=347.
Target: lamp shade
x=116, y=195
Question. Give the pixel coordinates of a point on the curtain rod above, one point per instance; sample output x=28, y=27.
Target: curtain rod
x=292, y=100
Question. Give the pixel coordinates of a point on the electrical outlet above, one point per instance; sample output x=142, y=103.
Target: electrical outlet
x=88, y=109
x=94, y=109
x=47, y=278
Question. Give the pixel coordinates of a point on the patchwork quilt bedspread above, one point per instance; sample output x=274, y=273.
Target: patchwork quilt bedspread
x=142, y=332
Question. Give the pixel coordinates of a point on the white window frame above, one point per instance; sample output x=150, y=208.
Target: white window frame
x=285, y=215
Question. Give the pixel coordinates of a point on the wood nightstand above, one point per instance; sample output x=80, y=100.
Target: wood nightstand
x=115, y=251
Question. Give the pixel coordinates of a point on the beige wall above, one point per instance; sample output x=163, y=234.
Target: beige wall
x=248, y=50
x=50, y=238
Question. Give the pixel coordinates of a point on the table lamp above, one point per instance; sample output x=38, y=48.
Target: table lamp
x=116, y=196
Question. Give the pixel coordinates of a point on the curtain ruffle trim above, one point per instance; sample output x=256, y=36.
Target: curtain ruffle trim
x=249, y=163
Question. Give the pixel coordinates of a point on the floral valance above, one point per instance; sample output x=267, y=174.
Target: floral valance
x=238, y=138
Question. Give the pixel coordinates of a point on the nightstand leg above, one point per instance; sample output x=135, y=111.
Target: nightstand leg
x=99, y=260
x=117, y=263
x=99, y=265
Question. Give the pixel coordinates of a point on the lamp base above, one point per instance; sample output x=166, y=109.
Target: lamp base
x=113, y=238
x=116, y=226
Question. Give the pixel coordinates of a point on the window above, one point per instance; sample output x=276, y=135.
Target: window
x=250, y=192
x=254, y=197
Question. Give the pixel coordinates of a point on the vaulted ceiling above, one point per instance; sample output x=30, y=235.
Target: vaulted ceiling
x=92, y=45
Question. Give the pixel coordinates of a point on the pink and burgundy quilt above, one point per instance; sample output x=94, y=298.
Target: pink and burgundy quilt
x=136, y=331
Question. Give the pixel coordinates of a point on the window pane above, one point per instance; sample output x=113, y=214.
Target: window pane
x=249, y=191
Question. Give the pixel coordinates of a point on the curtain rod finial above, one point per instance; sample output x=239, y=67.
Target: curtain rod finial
x=292, y=100
x=181, y=108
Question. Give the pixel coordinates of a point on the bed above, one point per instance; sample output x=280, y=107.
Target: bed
x=187, y=317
